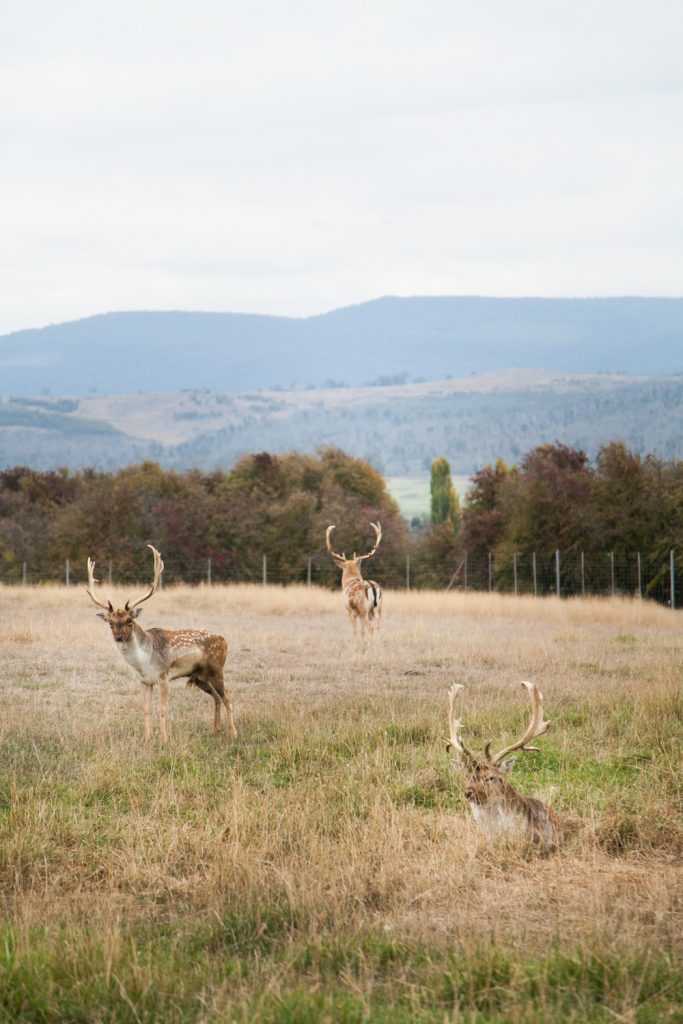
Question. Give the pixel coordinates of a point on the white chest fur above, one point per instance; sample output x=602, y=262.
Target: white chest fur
x=142, y=658
x=497, y=820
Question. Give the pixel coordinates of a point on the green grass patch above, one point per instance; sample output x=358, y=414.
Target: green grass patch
x=253, y=967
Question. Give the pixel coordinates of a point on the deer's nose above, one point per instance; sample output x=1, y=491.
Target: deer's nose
x=469, y=793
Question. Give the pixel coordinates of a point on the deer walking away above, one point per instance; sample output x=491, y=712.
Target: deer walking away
x=496, y=805
x=161, y=655
x=362, y=598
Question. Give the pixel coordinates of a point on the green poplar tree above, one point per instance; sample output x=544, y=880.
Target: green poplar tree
x=445, y=504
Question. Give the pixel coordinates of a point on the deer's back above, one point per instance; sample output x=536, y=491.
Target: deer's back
x=542, y=823
x=186, y=650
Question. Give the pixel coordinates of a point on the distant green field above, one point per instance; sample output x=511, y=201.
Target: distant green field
x=412, y=493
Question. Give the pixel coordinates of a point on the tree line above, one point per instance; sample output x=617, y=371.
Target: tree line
x=555, y=499
x=280, y=506
x=277, y=505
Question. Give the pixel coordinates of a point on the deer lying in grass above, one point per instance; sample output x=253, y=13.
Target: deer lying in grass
x=160, y=655
x=498, y=807
x=362, y=598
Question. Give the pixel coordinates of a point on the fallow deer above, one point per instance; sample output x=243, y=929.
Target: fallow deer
x=498, y=807
x=160, y=655
x=362, y=598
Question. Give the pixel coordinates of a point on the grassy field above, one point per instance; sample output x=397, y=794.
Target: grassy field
x=323, y=867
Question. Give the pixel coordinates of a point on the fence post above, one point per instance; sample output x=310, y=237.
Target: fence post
x=407, y=572
x=465, y=572
x=611, y=563
x=208, y=571
x=490, y=571
x=557, y=570
x=640, y=579
x=308, y=571
x=583, y=575
x=533, y=571
x=67, y=572
x=265, y=570
x=514, y=567
x=673, y=580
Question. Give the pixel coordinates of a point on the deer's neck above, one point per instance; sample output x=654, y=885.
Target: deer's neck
x=514, y=815
x=511, y=798
x=502, y=813
x=350, y=576
x=140, y=653
x=501, y=809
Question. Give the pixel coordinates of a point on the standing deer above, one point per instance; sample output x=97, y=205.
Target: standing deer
x=362, y=598
x=498, y=807
x=160, y=655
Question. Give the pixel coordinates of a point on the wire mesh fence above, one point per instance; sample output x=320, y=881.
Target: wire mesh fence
x=609, y=574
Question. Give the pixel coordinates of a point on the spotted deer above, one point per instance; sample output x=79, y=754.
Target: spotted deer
x=496, y=805
x=362, y=598
x=160, y=655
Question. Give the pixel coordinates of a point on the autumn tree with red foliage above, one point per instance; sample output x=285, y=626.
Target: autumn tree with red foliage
x=274, y=505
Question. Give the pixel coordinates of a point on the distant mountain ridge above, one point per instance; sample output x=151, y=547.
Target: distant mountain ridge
x=414, y=338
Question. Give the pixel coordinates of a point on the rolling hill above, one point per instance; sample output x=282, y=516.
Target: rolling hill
x=400, y=428
x=389, y=339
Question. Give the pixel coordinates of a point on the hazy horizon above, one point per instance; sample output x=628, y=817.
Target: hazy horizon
x=337, y=308
x=292, y=162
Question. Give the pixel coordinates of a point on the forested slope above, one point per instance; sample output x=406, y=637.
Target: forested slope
x=400, y=429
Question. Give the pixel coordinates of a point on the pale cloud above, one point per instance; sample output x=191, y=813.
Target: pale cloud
x=290, y=160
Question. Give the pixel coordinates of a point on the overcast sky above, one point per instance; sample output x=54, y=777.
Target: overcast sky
x=296, y=157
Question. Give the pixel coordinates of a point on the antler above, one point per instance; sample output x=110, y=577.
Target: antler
x=158, y=569
x=455, y=725
x=536, y=726
x=91, y=586
x=378, y=531
x=328, y=534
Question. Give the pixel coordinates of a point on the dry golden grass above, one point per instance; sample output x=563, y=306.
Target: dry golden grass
x=326, y=855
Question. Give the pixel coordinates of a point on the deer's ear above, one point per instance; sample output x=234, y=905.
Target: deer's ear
x=507, y=765
x=136, y=611
x=102, y=615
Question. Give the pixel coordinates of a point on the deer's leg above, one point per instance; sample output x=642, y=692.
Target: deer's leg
x=216, y=686
x=146, y=703
x=231, y=721
x=227, y=703
x=207, y=686
x=163, y=701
